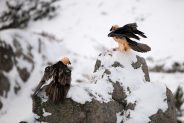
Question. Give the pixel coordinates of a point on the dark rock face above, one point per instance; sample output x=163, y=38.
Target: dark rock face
x=23, y=73
x=6, y=64
x=97, y=65
x=175, y=67
x=16, y=16
x=5, y=85
x=72, y=112
x=117, y=64
x=97, y=112
x=19, y=53
x=1, y=105
x=90, y=112
x=6, y=57
x=142, y=63
x=170, y=115
x=10, y=56
x=118, y=93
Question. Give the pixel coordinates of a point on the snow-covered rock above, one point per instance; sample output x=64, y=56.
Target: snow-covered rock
x=119, y=91
x=22, y=55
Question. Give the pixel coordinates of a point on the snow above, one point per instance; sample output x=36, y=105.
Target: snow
x=146, y=103
x=119, y=117
x=76, y=91
x=83, y=27
x=156, y=18
x=171, y=80
x=139, y=91
x=45, y=114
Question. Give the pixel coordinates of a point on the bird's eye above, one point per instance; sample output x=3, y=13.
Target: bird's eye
x=47, y=69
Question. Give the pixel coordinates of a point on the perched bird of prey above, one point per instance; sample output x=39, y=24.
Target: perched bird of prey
x=123, y=34
x=61, y=80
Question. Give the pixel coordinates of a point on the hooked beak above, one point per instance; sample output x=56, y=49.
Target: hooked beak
x=69, y=63
x=111, y=34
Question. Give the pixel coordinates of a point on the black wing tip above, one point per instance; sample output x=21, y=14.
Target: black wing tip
x=144, y=36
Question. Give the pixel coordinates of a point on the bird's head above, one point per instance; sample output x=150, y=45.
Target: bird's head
x=65, y=60
x=113, y=28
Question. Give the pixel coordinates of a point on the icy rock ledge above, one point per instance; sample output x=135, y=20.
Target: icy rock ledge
x=119, y=91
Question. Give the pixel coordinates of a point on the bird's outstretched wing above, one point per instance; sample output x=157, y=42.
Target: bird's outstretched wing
x=139, y=47
x=132, y=27
x=128, y=30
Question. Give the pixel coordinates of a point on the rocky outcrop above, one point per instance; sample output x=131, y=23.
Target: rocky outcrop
x=169, y=116
x=73, y=112
x=22, y=57
x=5, y=85
x=17, y=56
x=14, y=14
x=162, y=65
x=12, y=55
x=119, y=88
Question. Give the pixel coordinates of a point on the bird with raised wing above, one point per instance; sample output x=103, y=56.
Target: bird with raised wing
x=123, y=35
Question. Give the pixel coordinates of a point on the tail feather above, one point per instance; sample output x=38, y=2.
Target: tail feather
x=139, y=47
x=55, y=91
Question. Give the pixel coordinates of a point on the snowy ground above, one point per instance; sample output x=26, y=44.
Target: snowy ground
x=84, y=25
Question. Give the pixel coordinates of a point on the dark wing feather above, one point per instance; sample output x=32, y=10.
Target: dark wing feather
x=128, y=30
x=140, y=33
x=58, y=88
x=130, y=26
x=55, y=92
x=62, y=84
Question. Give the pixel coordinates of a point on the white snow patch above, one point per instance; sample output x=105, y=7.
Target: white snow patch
x=119, y=117
x=78, y=94
x=45, y=114
x=148, y=98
